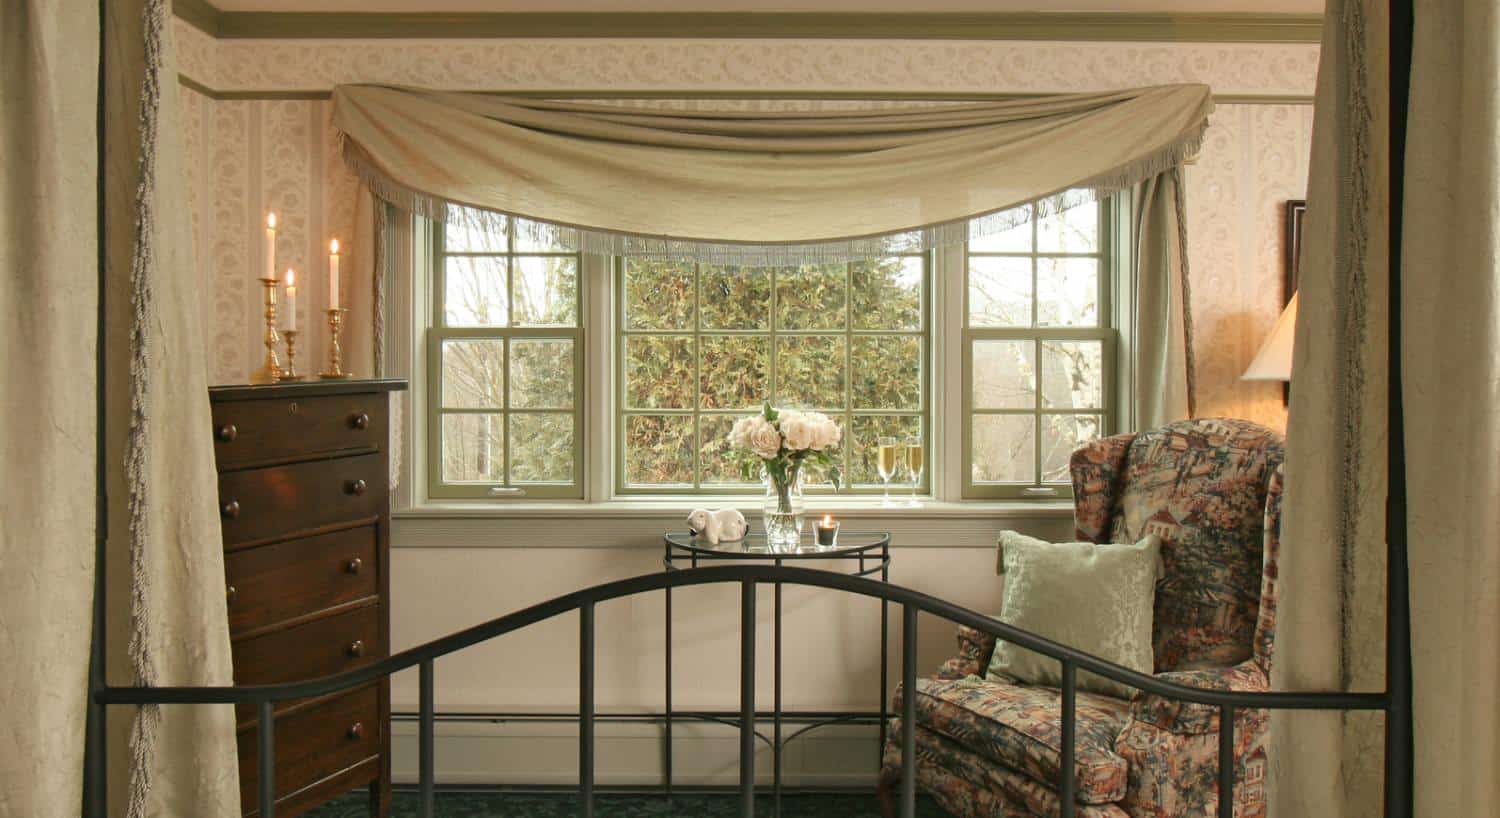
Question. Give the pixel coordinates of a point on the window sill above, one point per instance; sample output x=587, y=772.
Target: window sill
x=675, y=507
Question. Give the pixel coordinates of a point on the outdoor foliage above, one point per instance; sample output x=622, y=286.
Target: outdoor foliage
x=704, y=344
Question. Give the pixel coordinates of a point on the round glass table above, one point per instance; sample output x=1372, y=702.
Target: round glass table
x=859, y=553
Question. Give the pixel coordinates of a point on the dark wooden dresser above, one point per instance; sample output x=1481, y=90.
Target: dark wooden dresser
x=304, y=502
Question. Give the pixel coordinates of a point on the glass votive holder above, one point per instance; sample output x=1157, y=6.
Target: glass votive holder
x=827, y=530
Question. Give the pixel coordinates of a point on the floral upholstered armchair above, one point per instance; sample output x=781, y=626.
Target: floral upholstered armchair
x=1211, y=489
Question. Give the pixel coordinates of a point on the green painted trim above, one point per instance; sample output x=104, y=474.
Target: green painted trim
x=1076, y=26
x=961, y=96
x=200, y=14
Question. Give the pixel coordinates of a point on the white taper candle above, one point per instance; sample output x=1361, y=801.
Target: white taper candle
x=333, y=274
x=270, y=259
x=291, y=300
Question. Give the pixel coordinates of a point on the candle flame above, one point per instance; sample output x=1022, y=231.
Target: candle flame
x=271, y=220
x=333, y=247
x=827, y=520
x=290, y=280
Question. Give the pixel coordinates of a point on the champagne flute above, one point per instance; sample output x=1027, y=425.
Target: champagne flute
x=916, y=461
x=889, y=461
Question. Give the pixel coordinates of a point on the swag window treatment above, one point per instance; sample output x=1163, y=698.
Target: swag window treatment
x=761, y=188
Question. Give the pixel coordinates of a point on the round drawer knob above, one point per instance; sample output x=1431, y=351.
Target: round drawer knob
x=357, y=731
x=231, y=594
x=353, y=566
x=356, y=648
x=356, y=487
x=360, y=421
x=226, y=433
x=230, y=510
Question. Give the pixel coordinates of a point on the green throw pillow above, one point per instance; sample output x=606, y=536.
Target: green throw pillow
x=1096, y=598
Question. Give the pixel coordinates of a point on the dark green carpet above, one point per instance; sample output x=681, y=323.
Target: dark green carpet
x=565, y=805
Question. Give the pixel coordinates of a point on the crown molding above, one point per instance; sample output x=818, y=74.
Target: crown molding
x=1055, y=26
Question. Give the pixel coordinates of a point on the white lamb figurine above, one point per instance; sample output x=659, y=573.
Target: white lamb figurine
x=724, y=525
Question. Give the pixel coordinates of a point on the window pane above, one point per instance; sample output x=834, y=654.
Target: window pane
x=887, y=372
x=811, y=296
x=541, y=447
x=1013, y=239
x=735, y=297
x=863, y=435
x=735, y=371
x=474, y=291
x=473, y=448
x=1075, y=230
x=1061, y=436
x=659, y=372
x=1072, y=374
x=545, y=291
x=541, y=373
x=719, y=466
x=887, y=293
x=658, y=294
x=1004, y=449
x=658, y=450
x=474, y=231
x=810, y=371
x=999, y=291
x=539, y=237
x=1067, y=292
x=474, y=374
x=1004, y=374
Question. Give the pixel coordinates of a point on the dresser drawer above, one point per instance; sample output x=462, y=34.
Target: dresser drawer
x=291, y=579
x=260, y=432
x=265, y=504
x=311, y=650
x=313, y=743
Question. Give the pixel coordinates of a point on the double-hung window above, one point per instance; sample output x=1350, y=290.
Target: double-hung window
x=505, y=361
x=1038, y=351
x=700, y=345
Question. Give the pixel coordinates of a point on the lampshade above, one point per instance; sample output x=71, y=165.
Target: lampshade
x=1274, y=361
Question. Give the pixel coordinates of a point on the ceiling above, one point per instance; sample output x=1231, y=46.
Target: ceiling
x=780, y=6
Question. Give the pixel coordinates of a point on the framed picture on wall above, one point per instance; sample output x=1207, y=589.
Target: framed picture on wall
x=1292, y=247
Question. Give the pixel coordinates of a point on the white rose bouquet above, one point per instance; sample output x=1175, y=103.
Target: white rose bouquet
x=780, y=441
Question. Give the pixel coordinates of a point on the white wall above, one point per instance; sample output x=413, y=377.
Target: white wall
x=248, y=155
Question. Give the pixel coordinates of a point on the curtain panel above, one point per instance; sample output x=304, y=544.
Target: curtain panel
x=761, y=188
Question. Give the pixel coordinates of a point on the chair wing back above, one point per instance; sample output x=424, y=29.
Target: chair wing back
x=1204, y=486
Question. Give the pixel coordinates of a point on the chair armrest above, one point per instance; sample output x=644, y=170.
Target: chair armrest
x=1190, y=718
x=973, y=657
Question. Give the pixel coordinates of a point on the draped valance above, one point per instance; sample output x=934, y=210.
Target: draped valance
x=757, y=187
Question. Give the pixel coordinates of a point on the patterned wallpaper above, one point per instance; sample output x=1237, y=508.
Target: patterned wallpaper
x=248, y=155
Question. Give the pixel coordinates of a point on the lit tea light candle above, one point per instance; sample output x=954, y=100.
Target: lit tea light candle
x=827, y=530
x=291, y=300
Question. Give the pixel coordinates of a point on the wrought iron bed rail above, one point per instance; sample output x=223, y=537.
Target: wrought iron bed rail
x=749, y=577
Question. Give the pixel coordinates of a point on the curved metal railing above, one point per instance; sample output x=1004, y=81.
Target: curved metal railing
x=749, y=577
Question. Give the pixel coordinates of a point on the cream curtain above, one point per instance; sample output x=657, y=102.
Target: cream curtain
x=1330, y=631
x=1451, y=354
x=48, y=64
x=1158, y=333
x=761, y=188
x=166, y=565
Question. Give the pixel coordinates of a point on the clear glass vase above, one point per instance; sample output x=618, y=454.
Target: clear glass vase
x=783, y=511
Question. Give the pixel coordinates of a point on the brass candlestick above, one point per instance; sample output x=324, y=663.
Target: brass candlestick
x=335, y=352
x=290, y=373
x=270, y=371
